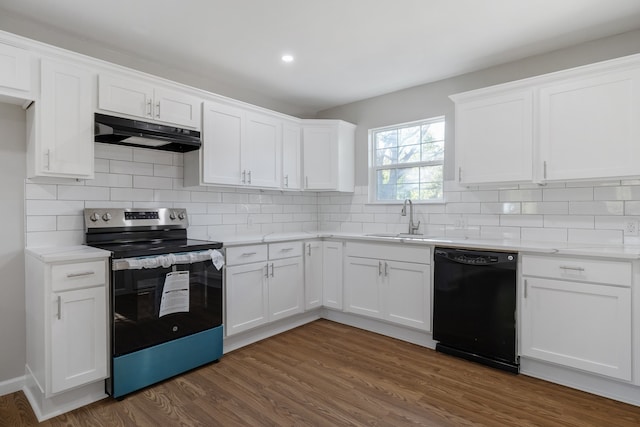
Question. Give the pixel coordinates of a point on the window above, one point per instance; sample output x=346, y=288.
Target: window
x=407, y=162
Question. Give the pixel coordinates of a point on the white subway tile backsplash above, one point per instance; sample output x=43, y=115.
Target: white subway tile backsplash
x=586, y=212
x=596, y=208
x=131, y=194
x=154, y=182
x=74, y=192
x=117, y=166
x=567, y=194
x=41, y=191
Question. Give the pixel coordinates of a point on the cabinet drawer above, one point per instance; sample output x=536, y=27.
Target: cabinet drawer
x=246, y=254
x=584, y=270
x=393, y=252
x=78, y=275
x=285, y=250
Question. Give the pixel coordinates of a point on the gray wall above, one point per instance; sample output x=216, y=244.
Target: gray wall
x=432, y=100
x=12, y=175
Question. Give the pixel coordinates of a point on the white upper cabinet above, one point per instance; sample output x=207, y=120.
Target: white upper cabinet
x=261, y=151
x=590, y=127
x=328, y=152
x=60, y=124
x=494, y=138
x=239, y=147
x=143, y=99
x=291, y=158
x=578, y=124
x=15, y=68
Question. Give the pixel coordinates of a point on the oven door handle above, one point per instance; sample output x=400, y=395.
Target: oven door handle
x=162, y=261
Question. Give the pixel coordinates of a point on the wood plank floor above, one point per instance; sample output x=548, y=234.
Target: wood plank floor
x=326, y=374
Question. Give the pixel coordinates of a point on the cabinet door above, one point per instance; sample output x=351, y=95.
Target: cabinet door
x=589, y=127
x=247, y=298
x=320, y=152
x=362, y=283
x=407, y=294
x=332, y=274
x=286, y=287
x=65, y=136
x=222, y=130
x=125, y=96
x=312, y=274
x=262, y=150
x=580, y=325
x=15, y=68
x=78, y=338
x=291, y=136
x=177, y=108
x=493, y=140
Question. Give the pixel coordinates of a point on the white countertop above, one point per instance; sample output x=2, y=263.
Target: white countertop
x=523, y=246
x=67, y=253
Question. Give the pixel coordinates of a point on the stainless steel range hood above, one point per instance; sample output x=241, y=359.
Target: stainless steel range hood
x=134, y=133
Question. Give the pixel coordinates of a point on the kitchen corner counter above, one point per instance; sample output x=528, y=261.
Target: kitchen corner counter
x=67, y=253
x=629, y=252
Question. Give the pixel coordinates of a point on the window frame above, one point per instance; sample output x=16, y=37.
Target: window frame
x=372, y=174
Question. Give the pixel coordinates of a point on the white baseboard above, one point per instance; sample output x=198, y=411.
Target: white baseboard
x=11, y=386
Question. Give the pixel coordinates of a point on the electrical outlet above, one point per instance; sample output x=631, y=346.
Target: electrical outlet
x=460, y=224
x=631, y=228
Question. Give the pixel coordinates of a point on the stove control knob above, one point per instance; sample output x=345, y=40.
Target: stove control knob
x=181, y=216
x=106, y=216
x=94, y=217
x=172, y=215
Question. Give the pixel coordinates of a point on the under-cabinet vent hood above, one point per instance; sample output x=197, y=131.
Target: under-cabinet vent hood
x=134, y=133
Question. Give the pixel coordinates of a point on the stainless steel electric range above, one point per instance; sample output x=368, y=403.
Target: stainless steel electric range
x=166, y=295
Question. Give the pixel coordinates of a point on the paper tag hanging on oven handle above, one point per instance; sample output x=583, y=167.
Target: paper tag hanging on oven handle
x=175, y=293
x=217, y=258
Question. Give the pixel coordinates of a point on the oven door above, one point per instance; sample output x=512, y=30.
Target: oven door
x=159, y=303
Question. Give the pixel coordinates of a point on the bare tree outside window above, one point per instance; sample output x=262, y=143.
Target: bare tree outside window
x=408, y=161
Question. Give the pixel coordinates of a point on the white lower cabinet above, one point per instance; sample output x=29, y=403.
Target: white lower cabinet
x=377, y=284
x=313, y=277
x=264, y=283
x=67, y=333
x=332, y=274
x=577, y=313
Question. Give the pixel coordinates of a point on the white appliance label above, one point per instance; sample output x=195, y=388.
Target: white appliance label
x=175, y=293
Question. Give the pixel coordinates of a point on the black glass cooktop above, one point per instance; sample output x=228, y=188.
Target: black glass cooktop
x=155, y=247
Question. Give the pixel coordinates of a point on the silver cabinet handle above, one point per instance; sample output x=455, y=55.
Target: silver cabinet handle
x=244, y=176
x=286, y=181
x=386, y=269
x=286, y=249
x=248, y=253
x=271, y=269
x=149, y=112
x=309, y=248
x=306, y=182
x=82, y=274
x=266, y=274
x=48, y=156
x=379, y=268
x=568, y=267
x=526, y=285
x=460, y=174
x=158, y=109
x=544, y=169
x=249, y=173
x=59, y=307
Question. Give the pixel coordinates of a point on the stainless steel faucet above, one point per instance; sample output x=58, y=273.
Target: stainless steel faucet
x=413, y=228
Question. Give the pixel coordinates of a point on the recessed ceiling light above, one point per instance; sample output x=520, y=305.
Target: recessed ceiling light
x=287, y=58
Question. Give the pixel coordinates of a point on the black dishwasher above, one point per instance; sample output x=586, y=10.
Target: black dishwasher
x=474, y=306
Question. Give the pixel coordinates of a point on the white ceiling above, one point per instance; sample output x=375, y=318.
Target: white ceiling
x=345, y=50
